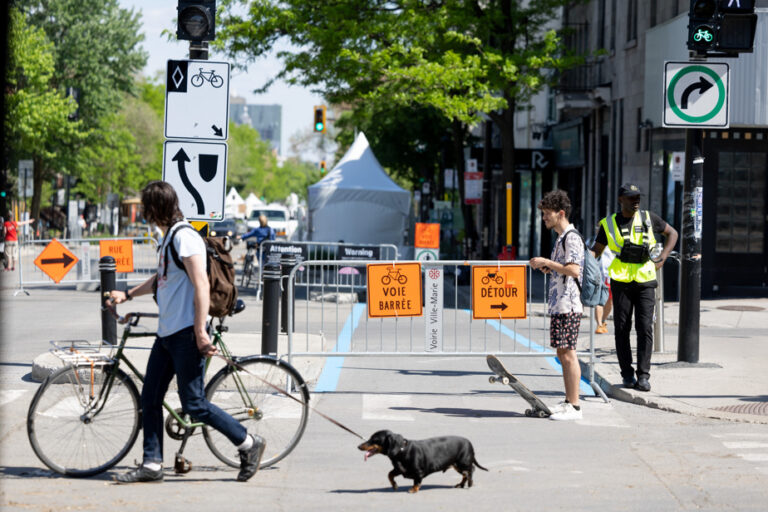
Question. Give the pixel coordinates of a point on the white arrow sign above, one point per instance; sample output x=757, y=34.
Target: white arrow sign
x=197, y=100
x=696, y=94
x=198, y=173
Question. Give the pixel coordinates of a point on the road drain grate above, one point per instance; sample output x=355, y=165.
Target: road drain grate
x=757, y=408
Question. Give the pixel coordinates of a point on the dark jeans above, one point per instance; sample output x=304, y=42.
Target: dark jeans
x=178, y=355
x=626, y=298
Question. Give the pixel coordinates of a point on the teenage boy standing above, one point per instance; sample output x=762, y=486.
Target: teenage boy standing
x=565, y=307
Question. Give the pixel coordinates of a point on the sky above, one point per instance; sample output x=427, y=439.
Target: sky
x=297, y=102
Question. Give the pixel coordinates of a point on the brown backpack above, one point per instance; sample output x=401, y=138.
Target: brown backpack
x=220, y=268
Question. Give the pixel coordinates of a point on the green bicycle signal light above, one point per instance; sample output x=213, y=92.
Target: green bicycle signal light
x=721, y=27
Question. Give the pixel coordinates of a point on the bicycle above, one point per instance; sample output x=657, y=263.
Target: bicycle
x=207, y=76
x=248, y=266
x=85, y=417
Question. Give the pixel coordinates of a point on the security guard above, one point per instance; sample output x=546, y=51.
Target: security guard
x=630, y=236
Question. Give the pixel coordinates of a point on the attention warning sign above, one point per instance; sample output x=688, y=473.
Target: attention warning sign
x=498, y=292
x=394, y=289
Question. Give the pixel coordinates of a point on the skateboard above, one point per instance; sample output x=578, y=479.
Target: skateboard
x=538, y=408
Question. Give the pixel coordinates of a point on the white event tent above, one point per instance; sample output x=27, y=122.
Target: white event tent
x=358, y=202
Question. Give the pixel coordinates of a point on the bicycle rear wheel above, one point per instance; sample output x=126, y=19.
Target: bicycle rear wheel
x=262, y=410
x=77, y=426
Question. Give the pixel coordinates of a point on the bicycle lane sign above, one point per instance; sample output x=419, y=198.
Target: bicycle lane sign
x=696, y=94
x=394, y=289
x=197, y=100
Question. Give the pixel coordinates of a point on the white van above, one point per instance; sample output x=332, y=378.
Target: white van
x=277, y=218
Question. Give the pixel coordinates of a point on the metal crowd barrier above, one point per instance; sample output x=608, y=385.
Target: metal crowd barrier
x=86, y=270
x=331, y=320
x=272, y=251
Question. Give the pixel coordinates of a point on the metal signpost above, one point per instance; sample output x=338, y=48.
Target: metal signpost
x=196, y=124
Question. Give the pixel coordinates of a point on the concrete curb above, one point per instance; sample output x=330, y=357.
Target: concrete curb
x=604, y=376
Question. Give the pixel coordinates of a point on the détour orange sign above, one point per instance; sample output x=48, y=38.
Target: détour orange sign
x=498, y=292
x=121, y=250
x=394, y=289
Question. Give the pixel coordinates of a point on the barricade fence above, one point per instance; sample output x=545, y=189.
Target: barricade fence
x=334, y=320
x=138, y=252
x=273, y=251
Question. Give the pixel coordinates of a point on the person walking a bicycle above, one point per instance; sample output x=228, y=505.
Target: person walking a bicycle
x=261, y=233
x=182, y=344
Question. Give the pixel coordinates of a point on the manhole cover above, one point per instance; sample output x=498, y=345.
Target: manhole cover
x=757, y=408
x=740, y=308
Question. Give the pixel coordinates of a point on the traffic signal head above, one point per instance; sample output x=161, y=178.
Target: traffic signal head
x=322, y=167
x=196, y=20
x=319, y=125
x=719, y=27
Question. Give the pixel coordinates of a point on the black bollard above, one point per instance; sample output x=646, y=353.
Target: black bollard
x=271, y=308
x=287, y=261
x=108, y=321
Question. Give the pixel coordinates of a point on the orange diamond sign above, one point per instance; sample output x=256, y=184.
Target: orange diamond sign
x=56, y=260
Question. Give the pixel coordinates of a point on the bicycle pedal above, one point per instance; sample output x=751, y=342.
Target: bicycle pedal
x=181, y=465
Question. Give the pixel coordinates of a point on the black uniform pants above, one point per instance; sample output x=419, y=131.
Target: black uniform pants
x=639, y=298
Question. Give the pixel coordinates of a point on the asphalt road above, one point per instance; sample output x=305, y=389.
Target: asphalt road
x=619, y=457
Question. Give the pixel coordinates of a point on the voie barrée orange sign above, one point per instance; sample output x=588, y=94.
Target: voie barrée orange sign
x=394, y=289
x=498, y=292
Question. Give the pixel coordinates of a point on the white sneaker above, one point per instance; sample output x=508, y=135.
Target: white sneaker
x=568, y=413
x=559, y=408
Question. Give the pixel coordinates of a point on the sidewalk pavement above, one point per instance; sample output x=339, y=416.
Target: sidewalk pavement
x=729, y=381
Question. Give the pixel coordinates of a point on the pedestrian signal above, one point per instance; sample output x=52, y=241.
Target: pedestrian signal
x=320, y=119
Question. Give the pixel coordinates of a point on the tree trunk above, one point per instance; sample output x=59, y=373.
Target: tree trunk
x=458, y=131
x=37, y=191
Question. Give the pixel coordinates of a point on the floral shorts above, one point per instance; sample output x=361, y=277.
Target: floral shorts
x=564, y=330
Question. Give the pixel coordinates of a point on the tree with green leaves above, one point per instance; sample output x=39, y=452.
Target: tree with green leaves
x=38, y=121
x=95, y=56
x=464, y=58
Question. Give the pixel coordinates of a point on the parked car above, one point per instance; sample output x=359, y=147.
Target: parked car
x=226, y=227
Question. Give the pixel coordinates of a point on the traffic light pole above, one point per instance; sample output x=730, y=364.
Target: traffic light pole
x=198, y=50
x=690, y=279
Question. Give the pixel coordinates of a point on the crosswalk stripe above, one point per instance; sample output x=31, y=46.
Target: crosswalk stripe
x=9, y=395
x=385, y=408
x=743, y=445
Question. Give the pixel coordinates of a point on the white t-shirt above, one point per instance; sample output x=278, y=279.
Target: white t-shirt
x=175, y=293
x=564, y=297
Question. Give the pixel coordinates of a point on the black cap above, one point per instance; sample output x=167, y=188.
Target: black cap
x=629, y=189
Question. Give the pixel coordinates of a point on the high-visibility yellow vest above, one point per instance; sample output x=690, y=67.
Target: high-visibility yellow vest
x=628, y=272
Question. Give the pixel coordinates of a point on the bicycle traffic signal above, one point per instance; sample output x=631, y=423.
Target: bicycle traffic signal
x=322, y=167
x=196, y=20
x=319, y=126
x=719, y=27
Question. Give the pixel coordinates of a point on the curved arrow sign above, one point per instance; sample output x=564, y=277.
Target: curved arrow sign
x=198, y=173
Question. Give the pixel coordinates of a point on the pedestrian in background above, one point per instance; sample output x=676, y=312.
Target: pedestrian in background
x=564, y=304
x=629, y=235
x=261, y=233
x=11, y=237
x=602, y=312
x=182, y=344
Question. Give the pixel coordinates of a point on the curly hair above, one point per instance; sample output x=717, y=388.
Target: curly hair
x=161, y=204
x=556, y=200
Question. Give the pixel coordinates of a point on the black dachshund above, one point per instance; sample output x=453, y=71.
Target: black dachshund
x=417, y=459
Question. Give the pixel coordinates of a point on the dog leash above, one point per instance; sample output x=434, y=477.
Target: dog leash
x=240, y=367
x=230, y=362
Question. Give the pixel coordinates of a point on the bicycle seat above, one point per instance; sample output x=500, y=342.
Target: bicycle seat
x=239, y=306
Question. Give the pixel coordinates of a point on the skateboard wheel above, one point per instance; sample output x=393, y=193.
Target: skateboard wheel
x=528, y=413
x=505, y=380
x=492, y=379
x=542, y=414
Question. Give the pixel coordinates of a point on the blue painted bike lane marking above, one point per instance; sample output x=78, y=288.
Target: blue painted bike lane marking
x=553, y=361
x=329, y=378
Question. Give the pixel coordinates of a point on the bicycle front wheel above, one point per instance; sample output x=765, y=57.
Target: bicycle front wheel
x=245, y=280
x=264, y=411
x=82, y=422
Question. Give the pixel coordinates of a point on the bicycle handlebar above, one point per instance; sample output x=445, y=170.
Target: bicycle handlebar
x=130, y=318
